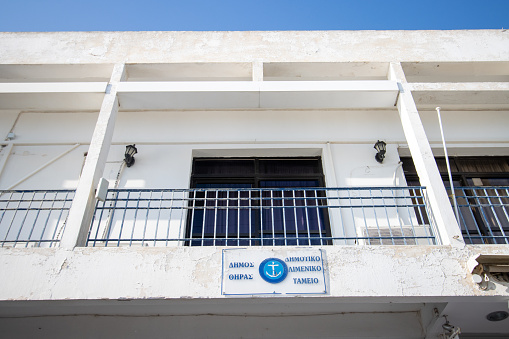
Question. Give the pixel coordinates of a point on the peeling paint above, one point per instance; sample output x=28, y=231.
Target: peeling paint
x=139, y=273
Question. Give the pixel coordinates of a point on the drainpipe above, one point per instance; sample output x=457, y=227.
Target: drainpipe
x=448, y=166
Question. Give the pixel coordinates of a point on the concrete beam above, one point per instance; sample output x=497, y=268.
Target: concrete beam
x=82, y=208
x=424, y=161
x=257, y=94
x=459, y=86
x=53, y=87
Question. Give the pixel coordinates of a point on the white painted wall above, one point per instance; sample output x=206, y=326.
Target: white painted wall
x=39, y=139
x=167, y=141
x=468, y=126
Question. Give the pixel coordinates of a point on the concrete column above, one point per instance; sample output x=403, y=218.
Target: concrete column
x=424, y=161
x=82, y=208
x=257, y=70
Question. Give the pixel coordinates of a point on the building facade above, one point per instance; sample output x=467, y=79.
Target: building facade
x=284, y=184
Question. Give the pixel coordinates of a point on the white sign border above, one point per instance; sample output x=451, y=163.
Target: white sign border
x=273, y=293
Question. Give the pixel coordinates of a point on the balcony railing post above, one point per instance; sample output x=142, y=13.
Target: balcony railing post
x=420, y=149
x=82, y=208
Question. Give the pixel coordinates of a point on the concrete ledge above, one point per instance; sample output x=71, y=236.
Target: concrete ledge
x=183, y=272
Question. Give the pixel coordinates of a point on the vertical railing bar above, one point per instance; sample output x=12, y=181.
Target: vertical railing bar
x=318, y=216
x=5, y=210
x=419, y=208
x=387, y=216
x=111, y=214
x=204, y=216
x=123, y=219
x=35, y=220
x=185, y=199
x=376, y=216
x=485, y=218
x=6, y=206
x=53, y=239
x=363, y=209
x=135, y=217
x=60, y=216
x=490, y=203
x=193, y=210
x=47, y=218
x=350, y=204
x=24, y=218
x=307, y=215
x=396, y=199
x=249, y=216
x=227, y=225
x=215, y=216
x=505, y=213
x=99, y=221
x=472, y=215
x=146, y=219
x=238, y=218
x=64, y=208
x=272, y=213
x=158, y=217
x=172, y=199
x=424, y=202
x=261, y=217
x=429, y=235
x=463, y=219
x=409, y=209
x=284, y=218
x=436, y=240
x=14, y=216
x=295, y=217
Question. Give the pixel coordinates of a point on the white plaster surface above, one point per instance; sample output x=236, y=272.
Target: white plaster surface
x=173, y=273
x=150, y=47
x=258, y=126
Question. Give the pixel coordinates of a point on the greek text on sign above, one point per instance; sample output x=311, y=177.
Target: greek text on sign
x=249, y=272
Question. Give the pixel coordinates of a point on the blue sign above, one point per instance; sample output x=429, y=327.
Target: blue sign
x=273, y=270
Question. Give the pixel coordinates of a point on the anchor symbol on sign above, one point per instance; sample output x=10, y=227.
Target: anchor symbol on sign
x=273, y=275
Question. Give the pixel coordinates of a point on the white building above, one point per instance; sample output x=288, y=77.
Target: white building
x=254, y=146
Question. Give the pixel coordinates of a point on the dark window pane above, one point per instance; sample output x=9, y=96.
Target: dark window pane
x=289, y=167
x=272, y=215
x=224, y=167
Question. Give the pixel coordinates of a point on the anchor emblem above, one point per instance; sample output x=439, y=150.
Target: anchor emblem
x=274, y=275
x=273, y=270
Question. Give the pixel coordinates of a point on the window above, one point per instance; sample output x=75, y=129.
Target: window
x=257, y=201
x=481, y=186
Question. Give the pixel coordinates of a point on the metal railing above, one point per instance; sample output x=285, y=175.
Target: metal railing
x=33, y=218
x=484, y=214
x=263, y=217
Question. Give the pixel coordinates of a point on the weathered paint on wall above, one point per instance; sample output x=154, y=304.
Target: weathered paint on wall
x=150, y=47
x=167, y=273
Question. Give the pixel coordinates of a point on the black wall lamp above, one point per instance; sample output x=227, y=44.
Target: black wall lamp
x=380, y=149
x=130, y=151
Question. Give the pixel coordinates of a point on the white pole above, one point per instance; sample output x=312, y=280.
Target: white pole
x=448, y=167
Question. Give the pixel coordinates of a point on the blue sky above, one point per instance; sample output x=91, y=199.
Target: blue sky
x=200, y=15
